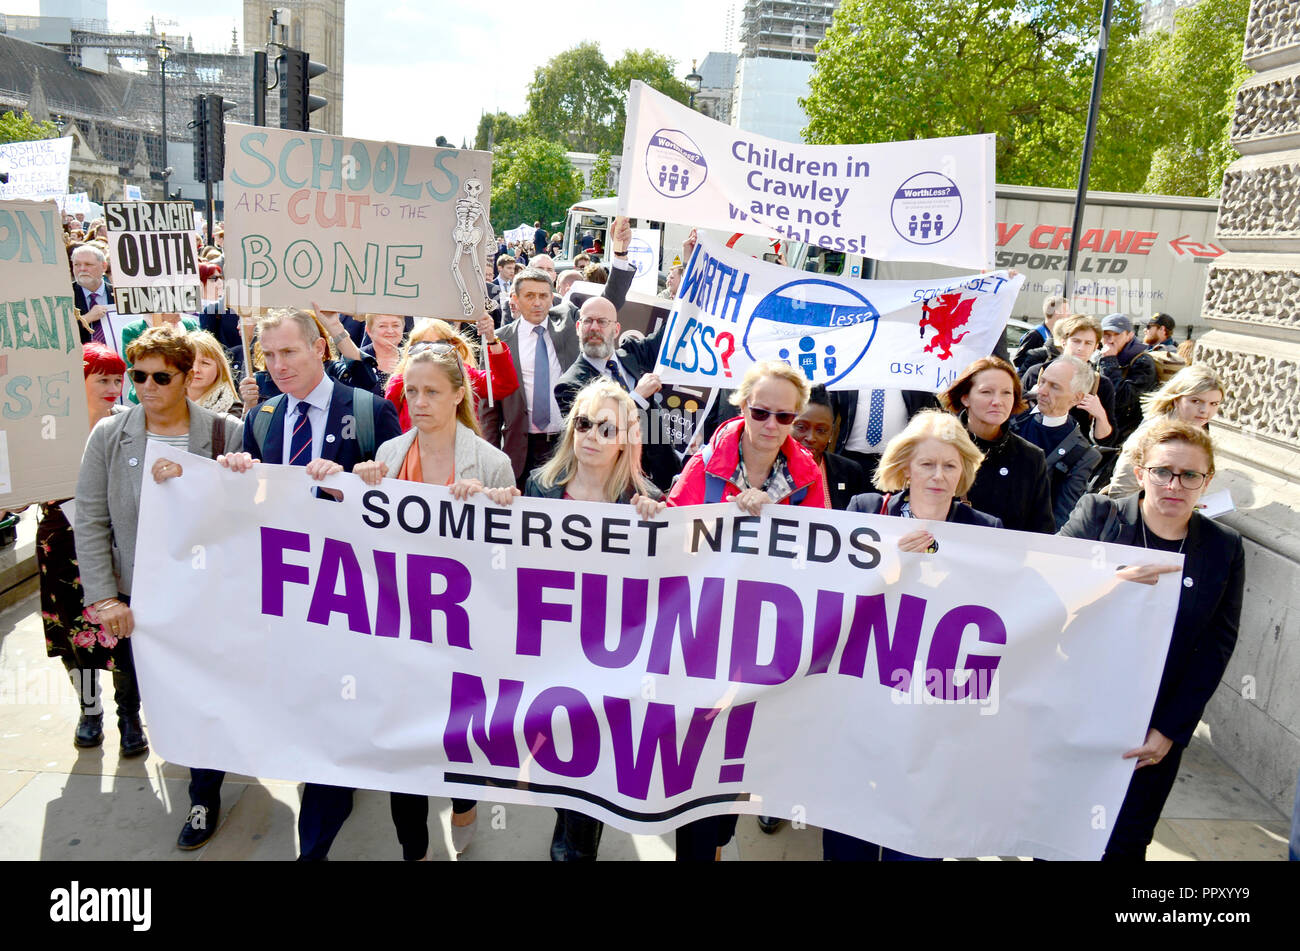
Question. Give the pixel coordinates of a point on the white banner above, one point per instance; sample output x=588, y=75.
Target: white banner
x=923, y=200
x=37, y=170
x=643, y=255
x=155, y=266
x=647, y=674
x=74, y=203
x=733, y=310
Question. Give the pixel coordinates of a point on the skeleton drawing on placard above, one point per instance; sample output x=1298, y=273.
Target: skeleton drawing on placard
x=468, y=235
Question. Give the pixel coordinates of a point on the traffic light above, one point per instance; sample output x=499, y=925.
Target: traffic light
x=296, y=101
x=210, y=137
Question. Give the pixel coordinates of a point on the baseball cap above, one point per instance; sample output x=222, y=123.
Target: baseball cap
x=1162, y=320
x=1117, y=323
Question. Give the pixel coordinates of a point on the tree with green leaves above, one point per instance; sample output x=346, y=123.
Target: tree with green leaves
x=579, y=99
x=1201, y=62
x=497, y=128
x=15, y=128
x=532, y=180
x=907, y=69
x=601, y=173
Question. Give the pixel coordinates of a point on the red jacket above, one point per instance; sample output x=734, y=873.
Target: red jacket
x=504, y=382
x=724, y=455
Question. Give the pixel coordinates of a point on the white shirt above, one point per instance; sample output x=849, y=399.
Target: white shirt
x=318, y=402
x=895, y=421
x=527, y=343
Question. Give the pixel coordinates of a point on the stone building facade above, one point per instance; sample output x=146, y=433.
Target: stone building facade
x=1252, y=304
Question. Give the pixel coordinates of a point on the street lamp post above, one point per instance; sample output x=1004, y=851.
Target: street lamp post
x=163, y=52
x=693, y=82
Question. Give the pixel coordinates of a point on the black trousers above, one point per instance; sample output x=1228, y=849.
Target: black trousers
x=699, y=841
x=411, y=820
x=541, y=446
x=1145, y=800
x=126, y=690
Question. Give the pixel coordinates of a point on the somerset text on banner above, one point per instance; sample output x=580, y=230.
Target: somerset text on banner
x=649, y=673
x=922, y=200
x=733, y=310
x=355, y=225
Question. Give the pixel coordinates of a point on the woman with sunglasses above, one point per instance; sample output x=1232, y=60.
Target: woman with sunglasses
x=597, y=459
x=1174, y=465
x=432, y=330
x=751, y=460
x=134, y=329
x=443, y=447
x=108, y=492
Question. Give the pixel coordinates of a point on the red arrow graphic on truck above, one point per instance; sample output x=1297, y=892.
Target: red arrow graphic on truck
x=1195, y=249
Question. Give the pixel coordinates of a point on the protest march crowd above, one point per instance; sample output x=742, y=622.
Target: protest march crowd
x=1092, y=429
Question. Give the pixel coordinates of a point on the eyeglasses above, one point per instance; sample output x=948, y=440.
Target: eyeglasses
x=600, y=322
x=434, y=346
x=1190, y=479
x=160, y=377
x=761, y=415
x=607, y=429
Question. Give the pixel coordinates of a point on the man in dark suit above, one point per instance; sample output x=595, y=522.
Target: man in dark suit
x=92, y=294
x=321, y=424
x=543, y=341
x=540, y=238
x=868, y=419
x=632, y=368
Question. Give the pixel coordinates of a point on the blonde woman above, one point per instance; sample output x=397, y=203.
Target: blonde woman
x=442, y=448
x=1192, y=395
x=597, y=459
x=212, y=385
x=500, y=364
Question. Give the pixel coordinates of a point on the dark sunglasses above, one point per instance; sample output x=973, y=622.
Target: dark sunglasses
x=161, y=378
x=607, y=429
x=761, y=415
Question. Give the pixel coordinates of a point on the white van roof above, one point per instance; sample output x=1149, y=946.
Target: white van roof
x=597, y=206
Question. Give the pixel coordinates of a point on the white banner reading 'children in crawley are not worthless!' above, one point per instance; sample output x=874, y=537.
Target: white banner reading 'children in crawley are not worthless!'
x=649, y=673
x=922, y=200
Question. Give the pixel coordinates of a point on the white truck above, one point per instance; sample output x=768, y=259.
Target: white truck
x=1139, y=254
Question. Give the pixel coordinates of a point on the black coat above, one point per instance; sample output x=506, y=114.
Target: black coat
x=844, y=480
x=1105, y=392
x=959, y=512
x=658, y=458
x=1012, y=483
x=79, y=299
x=1070, y=465
x=1133, y=373
x=223, y=324
x=1209, y=605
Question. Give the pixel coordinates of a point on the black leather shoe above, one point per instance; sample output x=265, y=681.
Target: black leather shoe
x=769, y=824
x=90, y=730
x=198, y=828
x=134, y=742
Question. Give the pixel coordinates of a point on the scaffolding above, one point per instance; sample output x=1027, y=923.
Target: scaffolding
x=784, y=29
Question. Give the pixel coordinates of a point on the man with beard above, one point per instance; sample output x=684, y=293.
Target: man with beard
x=632, y=368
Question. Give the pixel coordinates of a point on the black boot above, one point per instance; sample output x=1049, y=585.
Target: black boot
x=90, y=728
x=134, y=742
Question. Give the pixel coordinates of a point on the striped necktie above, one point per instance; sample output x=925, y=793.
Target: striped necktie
x=300, y=442
x=97, y=328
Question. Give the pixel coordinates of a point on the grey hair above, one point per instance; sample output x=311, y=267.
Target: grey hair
x=1081, y=381
x=1050, y=306
x=100, y=256
x=529, y=274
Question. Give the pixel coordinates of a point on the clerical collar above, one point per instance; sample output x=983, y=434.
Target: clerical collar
x=1053, y=421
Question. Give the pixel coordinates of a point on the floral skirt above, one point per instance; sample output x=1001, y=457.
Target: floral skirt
x=68, y=634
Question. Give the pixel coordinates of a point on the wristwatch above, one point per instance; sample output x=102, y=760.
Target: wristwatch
x=620, y=254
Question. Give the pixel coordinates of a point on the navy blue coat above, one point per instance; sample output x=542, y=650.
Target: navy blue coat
x=346, y=452
x=959, y=512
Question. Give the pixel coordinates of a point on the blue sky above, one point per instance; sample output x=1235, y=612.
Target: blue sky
x=414, y=71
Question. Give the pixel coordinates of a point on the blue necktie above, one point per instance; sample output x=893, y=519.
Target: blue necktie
x=876, y=421
x=300, y=443
x=612, y=367
x=541, y=382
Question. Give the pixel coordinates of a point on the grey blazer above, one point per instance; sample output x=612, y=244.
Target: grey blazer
x=108, y=494
x=475, y=458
